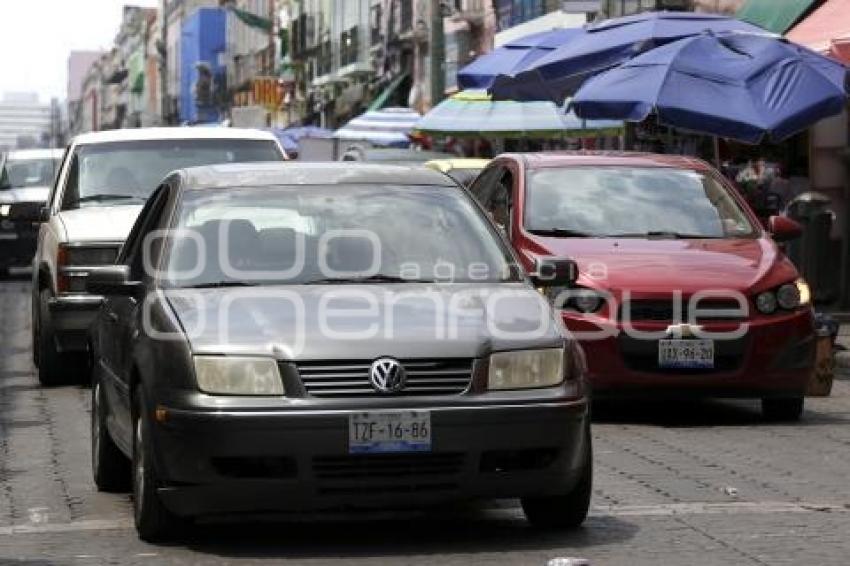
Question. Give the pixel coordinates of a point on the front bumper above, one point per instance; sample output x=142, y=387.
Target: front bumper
x=251, y=461
x=71, y=317
x=774, y=358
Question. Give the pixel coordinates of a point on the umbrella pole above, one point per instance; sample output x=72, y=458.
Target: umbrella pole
x=716, y=143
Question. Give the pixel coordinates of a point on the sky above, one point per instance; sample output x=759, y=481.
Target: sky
x=37, y=35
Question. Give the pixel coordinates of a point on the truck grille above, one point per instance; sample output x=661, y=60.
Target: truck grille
x=351, y=378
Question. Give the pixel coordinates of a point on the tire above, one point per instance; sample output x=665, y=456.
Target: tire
x=154, y=523
x=110, y=467
x=566, y=511
x=787, y=409
x=34, y=307
x=50, y=363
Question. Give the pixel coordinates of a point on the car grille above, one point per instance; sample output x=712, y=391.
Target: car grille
x=351, y=378
x=357, y=466
x=662, y=310
x=382, y=474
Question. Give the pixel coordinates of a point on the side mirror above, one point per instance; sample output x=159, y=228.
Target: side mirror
x=783, y=228
x=113, y=281
x=554, y=272
x=26, y=212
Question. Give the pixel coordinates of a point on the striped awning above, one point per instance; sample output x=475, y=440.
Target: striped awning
x=389, y=127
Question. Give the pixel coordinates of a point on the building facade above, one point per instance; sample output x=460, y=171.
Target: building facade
x=364, y=54
x=25, y=121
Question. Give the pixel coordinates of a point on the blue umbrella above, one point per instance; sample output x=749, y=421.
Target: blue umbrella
x=512, y=57
x=740, y=86
x=387, y=127
x=606, y=44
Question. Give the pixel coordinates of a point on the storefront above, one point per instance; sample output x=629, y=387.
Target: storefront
x=827, y=30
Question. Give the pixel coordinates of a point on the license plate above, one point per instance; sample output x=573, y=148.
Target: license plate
x=401, y=431
x=686, y=354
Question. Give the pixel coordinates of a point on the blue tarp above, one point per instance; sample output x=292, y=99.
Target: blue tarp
x=739, y=86
x=202, y=40
x=606, y=44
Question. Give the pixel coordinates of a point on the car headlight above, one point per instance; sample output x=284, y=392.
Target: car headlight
x=526, y=369
x=586, y=301
x=4, y=209
x=804, y=290
x=228, y=375
x=788, y=296
x=766, y=302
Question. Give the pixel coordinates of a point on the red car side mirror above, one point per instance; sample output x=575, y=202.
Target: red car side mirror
x=783, y=228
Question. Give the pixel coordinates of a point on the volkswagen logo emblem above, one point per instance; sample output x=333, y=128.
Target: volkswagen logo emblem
x=386, y=375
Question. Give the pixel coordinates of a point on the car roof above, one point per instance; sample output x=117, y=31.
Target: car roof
x=608, y=158
x=306, y=173
x=446, y=165
x=174, y=133
x=24, y=154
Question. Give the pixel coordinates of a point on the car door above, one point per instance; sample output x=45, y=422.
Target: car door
x=120, y=315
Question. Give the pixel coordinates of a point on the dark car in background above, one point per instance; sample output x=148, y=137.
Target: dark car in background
x=26, y=177
x=681, y=291
x=330, y=336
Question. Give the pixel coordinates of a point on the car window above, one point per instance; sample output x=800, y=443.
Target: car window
x=22, y=173
x=632, y=201
x=128, y=172
x=494, y=194
x=292, y=235
x=132, y=251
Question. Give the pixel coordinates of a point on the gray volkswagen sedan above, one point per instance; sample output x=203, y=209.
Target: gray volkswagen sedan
x=298, y=337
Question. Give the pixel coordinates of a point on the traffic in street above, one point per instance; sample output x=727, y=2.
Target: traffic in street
x=380, y=282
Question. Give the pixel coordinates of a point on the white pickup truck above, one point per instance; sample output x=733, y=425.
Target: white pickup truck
x=103, y=182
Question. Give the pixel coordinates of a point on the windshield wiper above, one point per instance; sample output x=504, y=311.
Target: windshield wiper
x=107, y=197
x=377, y=278
x=217, y=284
x=562, y=232
x=663, y=234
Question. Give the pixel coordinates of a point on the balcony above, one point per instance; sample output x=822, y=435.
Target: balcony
x=351, y=60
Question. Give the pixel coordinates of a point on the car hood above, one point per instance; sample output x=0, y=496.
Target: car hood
x=365, y=321
x=99, y=223
x=24, y=194
x=656, y=266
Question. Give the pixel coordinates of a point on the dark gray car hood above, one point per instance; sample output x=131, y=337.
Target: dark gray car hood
x=362, y=322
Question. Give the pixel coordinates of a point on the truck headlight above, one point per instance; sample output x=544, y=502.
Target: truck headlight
x=526, y=369
x=228, y=375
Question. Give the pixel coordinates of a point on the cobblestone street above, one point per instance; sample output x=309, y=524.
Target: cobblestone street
x=677, y=483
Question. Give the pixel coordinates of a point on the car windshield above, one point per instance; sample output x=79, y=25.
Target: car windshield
x=333, y=235
x=22, y=173
x=128, y=172
x=632, y=202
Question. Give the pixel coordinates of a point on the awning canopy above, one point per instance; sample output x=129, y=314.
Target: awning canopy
x=826, y=30
x=777, y=16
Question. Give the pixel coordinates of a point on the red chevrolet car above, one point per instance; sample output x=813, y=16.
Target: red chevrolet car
x=681, y=291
